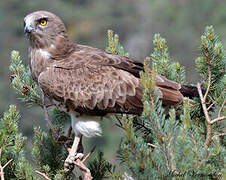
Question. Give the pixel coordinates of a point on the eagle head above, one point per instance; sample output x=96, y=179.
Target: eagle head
x=42, y=28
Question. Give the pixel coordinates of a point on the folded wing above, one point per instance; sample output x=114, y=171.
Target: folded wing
x=94, y=88
x=95, y=82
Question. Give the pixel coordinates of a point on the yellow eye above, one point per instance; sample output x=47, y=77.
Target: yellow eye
x=43, y=22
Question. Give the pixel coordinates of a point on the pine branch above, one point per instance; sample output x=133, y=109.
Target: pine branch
x=171, y=143
x=86, y=172
x=22, y=81
x=221, y=134
x=100, y=168
x=47, y=115
x=208, y=120
x=43, y=175
x=212, y=61
x=114, y=47
x=207, y=116
x=160, y=56
x=217, y=120
x=88, y=155
x=177, y=139
x=3, y=167
x=12, y=147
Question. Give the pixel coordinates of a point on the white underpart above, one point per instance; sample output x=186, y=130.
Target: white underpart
x=85, y=125
x=88, y=126
x=44, y=53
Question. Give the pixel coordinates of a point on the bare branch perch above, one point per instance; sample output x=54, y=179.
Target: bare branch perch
x=89, y=154
x=86, y=171
x=209, y=127
x=221, y=134
x=43, y=175
x=221, y=109
x=218, y=119
x=208, y=120
x=3, y=167
x=152, y=145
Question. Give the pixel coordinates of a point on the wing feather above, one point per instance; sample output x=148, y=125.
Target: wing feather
x=102, y=89
x=95, y=81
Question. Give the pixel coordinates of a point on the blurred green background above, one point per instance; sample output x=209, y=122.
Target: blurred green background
x=181, y=22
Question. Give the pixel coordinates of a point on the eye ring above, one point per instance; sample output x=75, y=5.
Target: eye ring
x=43, y=22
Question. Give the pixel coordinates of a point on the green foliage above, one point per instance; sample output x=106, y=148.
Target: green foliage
x=171, y=145
x=160, y=56
x=114, y=47
x=100, y=168
x=161, y=144
x=12, y=147
x=48, y=153
x=22, y=81
x=46, y=150
x=212, y=64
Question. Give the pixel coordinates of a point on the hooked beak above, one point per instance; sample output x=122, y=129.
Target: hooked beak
x=28, y=29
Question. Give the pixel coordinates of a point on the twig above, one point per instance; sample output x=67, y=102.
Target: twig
x=43, y=175
x=141, y=125
x=208, y=120
x=172, y=157
x=89, y=154
x=195, y=145
x=203, y=102
x=209, y=125
x=80, y=164
x=221, y=109
x=221, y=134
x=210, y=106
x=165, y=156
x=22, y=172
x=86, y=171
x=209, y=74
x=119, y=124
x=209, y=83
x=155, y=165
x=3, y=167
x=161, y=135
x=152, y=145
x=218, y=119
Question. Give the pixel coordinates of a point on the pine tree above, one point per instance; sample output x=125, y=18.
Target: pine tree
x=13, y=164
x=187, y=141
